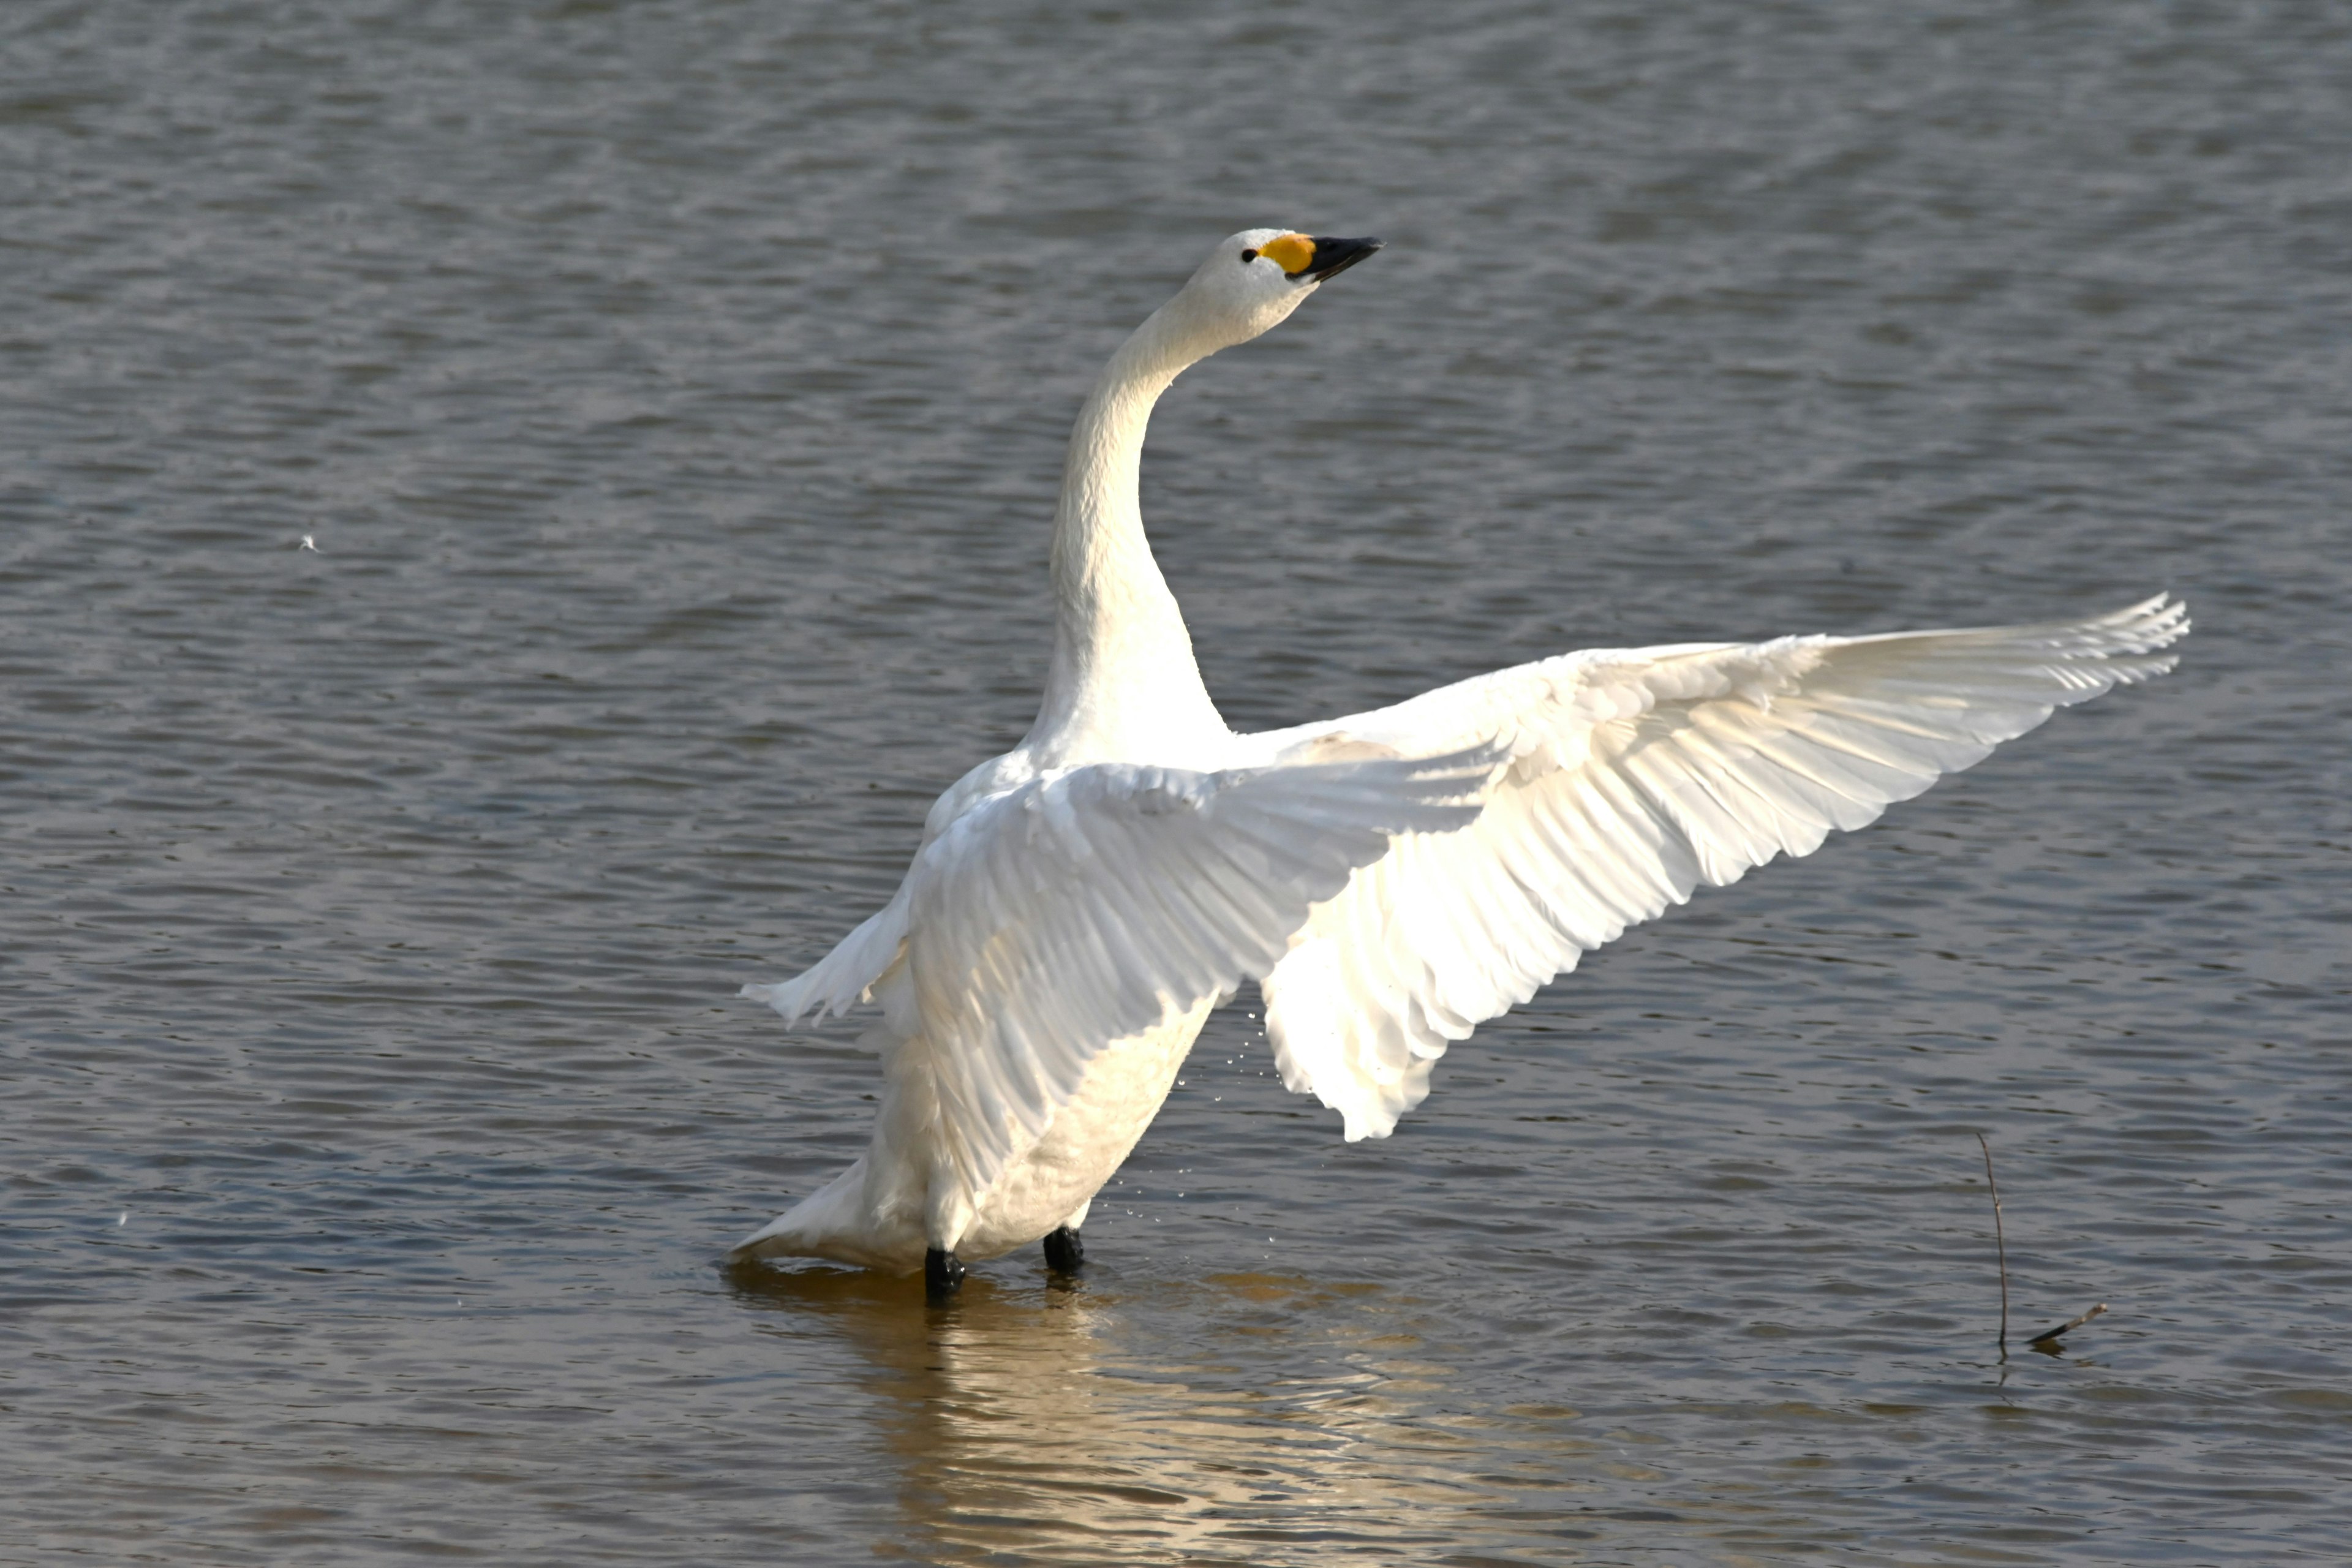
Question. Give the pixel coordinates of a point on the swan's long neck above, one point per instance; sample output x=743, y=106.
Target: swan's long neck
x=1123, y=684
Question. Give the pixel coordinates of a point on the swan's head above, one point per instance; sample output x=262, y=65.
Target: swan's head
x=1254, y=279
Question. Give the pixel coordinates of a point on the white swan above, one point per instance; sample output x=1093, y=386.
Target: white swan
x=1391, y=880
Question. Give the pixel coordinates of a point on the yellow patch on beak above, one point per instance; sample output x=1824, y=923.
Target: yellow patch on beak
x=1291, y=253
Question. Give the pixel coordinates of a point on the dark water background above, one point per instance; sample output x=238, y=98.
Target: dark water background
x=675, y=392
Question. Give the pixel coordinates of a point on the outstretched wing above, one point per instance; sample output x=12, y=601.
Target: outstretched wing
x=1636, y=775
x=845, y=975
x=1084, y=907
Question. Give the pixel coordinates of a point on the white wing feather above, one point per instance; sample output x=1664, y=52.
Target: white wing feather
x=1088, y=905
x=845, y=976
x=1636, y=775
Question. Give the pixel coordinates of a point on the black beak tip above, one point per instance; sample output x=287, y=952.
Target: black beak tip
x=1333, y=257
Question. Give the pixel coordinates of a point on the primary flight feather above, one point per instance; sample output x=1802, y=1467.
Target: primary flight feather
x=1391, y=880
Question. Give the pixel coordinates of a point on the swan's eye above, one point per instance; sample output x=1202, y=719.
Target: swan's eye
x=1248, y=256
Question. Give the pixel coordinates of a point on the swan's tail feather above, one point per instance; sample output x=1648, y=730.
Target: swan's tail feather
x=833, y=1222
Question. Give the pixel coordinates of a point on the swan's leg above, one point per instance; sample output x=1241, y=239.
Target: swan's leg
x=942, y=1274
x=1064, y=1252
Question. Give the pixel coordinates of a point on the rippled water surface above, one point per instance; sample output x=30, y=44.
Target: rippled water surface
x=675, y=392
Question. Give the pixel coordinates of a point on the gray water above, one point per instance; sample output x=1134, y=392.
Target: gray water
x=675, y=394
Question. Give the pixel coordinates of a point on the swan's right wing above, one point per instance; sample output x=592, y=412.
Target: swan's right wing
x=1637, y=774
x=1082, y=907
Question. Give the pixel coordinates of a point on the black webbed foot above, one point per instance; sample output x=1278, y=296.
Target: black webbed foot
x=1064, y=1252
x=942, y=1274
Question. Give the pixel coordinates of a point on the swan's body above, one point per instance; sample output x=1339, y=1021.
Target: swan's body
x=1391, y=880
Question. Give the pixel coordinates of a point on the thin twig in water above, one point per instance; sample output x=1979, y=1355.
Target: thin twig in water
x=2001, y=1246
x=2048, y=1336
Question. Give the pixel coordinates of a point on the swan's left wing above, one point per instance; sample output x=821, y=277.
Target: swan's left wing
x=1084, y=907
x=1636, y=775
x=845, y=976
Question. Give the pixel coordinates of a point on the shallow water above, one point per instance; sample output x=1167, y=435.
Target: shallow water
x=675, y=392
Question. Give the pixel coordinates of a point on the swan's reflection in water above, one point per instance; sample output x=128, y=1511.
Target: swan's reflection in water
x=1239, y=1418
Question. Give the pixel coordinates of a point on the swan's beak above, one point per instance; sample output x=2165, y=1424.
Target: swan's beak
x=1333, y=257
